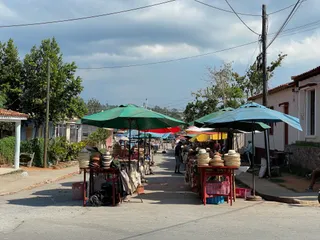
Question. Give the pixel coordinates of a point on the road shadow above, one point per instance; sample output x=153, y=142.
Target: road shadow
x=50, y=197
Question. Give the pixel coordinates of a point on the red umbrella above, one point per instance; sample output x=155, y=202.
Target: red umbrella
x=164, y=130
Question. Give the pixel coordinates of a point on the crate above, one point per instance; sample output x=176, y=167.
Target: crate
x=218, y=188
x=243, y=192
x=77, y=190
x=215, y=200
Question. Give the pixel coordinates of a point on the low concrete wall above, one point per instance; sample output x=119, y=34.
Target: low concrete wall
x=307, y=157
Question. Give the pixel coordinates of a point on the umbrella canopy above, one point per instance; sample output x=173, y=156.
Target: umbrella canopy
x=200, y=121
x=253, y=112
x=196, y=130
x=164, y=130
x=131, y=117
x=242, y=126
x=206, y=137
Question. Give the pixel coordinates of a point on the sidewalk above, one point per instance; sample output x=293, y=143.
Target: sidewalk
x=28, y=179
x=273, y=192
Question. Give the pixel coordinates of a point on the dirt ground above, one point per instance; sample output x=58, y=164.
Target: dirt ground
x=295, y=183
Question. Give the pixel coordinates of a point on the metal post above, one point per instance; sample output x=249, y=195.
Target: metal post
x=46, y=136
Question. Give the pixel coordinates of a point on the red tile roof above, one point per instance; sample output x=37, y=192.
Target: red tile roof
x=274, y=90
x=306, y=75
x=9, y=113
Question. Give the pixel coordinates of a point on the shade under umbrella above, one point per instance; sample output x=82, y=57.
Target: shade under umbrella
x=131, y=117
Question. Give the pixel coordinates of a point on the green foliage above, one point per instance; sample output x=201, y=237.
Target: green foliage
x=228, y=89
x=199, y=108
x=169, y=112
x=61, y=150
x=98, y=137
x=7, y=146
x=307, y=144
x=10, y=75
x=65, y=86
x=58, y=149
x=94, y=106
x=252, y=83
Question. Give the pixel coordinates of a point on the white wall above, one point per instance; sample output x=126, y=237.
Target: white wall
x=277, y=140
x=303, y=108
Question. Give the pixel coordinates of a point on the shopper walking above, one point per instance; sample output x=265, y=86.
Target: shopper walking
x=177, y=155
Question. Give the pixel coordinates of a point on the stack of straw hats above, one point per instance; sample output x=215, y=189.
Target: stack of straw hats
x=216, y=161
x=84, y=163
x=106, y=160
x=95, y=160
x=232, y=159
x=203, y=158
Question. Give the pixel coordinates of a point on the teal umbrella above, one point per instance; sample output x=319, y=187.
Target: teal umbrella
x=200, y=121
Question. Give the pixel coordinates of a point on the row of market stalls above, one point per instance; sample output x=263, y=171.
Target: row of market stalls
x=213, y=175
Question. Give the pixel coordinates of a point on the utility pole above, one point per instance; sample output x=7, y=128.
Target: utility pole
x=264, y=56
x=265, y=81
x=46, y=136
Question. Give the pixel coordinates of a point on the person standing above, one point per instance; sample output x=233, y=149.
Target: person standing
x=177, y=155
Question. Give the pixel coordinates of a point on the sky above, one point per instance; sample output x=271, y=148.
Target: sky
x=174, y=30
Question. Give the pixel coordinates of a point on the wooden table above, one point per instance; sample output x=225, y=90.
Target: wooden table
x=209, y=171
x=115, y=177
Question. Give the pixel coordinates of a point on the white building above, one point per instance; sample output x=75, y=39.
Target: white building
x=297, y=98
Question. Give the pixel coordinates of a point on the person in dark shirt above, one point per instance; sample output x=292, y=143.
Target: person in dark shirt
x=177, y=155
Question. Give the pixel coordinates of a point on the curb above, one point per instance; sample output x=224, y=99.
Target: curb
x=267, y=197
x=40, y=184
x=13, y=172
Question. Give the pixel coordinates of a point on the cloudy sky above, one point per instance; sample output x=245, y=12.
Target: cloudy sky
x=174, y=30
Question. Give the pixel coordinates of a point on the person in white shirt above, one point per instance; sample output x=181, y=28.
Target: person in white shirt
x=248, y=152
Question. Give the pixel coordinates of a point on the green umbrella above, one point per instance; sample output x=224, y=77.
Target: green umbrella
x=130, y=117
x=200, y=121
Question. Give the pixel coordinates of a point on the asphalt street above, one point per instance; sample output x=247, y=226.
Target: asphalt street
x=169, y=211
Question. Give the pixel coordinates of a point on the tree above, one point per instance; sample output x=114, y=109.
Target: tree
x=94, y=106
x=252, y=83
x=65, y=87
x=199, y=108
x=10, y=75
x=169, y=112
x=99, y=137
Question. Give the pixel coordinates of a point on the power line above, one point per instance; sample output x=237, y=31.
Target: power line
x=241, y=18
x=293, y=11
x=282, y=9
x=168, y=61
x=84, y=18
x=228, y=11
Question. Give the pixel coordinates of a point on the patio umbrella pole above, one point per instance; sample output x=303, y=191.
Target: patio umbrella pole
x=129, y=144
x=138, y=150
x=266, y=144
x=252, y=163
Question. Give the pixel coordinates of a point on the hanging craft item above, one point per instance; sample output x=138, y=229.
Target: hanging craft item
x=203, y=158
x=106, y=160
x=232, y=159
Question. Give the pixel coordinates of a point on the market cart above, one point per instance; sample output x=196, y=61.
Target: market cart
x=111, y=174
x=225, y=189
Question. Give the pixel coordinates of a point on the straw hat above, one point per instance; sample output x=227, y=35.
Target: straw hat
x=216, y=164
x=202, y=151
x=84, y=163
x=231, y=152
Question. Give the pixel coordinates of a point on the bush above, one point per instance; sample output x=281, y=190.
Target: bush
x=7, y=146
x=61, y=150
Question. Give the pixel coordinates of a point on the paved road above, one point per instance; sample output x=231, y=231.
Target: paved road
x=168, y=212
